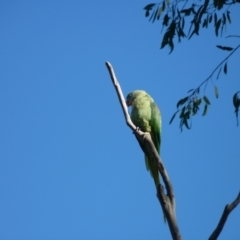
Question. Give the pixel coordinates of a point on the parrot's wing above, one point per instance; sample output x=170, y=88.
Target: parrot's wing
x=156, y=126
x=149, y=168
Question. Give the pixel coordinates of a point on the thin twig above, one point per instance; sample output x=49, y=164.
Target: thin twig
x=227, y=210
x=224, y=60
x=195, y=93
x=232, y=36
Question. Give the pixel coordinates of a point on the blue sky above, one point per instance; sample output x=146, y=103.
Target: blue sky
x=70, y=168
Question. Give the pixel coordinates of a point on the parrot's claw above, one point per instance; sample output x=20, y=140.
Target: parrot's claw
x=137, y=129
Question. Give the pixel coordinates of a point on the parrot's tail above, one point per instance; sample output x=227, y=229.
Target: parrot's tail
x=151, y=166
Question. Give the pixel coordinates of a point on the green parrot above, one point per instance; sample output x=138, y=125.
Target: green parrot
x=146, y=115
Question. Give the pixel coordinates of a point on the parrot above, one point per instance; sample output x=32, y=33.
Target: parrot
x=147, y=117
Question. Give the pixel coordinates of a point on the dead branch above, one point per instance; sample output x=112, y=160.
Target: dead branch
x=227, y=210
x=167, y=200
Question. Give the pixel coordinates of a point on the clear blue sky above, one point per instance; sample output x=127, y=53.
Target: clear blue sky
x=70, y=168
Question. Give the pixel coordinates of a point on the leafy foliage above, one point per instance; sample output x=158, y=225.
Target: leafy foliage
x=190, y=104
x=173, y=16
x=236, y=103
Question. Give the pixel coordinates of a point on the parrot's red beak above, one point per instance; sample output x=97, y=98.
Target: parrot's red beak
x=128, y=103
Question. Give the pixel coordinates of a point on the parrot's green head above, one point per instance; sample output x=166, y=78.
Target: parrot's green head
x=133, y=95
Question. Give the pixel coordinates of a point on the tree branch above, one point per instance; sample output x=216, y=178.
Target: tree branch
x=190, y=104
x=167, y=200
x=224, y=60
x=227, y=210
x=232, y=36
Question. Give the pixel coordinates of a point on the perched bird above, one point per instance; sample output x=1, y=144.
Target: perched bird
x=146, y=116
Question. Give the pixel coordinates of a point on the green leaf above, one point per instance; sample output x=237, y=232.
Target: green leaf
x=181, y=101
x=183, y=23
x=160, y=10
x=225, y=48
x=195, y=105
x=179, y=15
x=190, y=90
x=149, y=6
x=215, y=19
x=198, y=102
x=216, y=91
x=192, y=22
x=168, y=36
x=163, y=6
x=206, y=100
x=165, y=40
x=217, y=26
x=173, y=11
x=205, y=110
x=199, y=10
x=222, y=29
x=187, y=115
x=193, y=11
x=204, y=23
x=182, y=34
x=186, y=123
x=152, y=16
x=171, y=45
x=196, y=28
x=219, y=4
x=187, y=11
x=228, y=16
x=236, y=103
x=173, y=116
x=224, y=19
x=165, y=20
x=215, y=3
x=155, y=15
x=235, y=99
x=225, y=68
x=210, y=19
x=182, y=112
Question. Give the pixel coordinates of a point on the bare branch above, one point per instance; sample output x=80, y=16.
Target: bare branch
x=227, y=210
x=120, y=96
x=167, y=201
